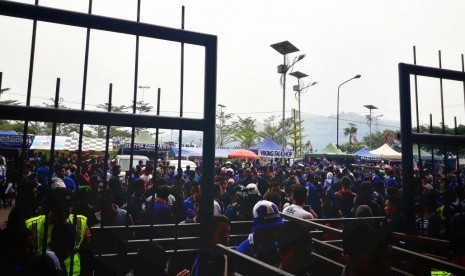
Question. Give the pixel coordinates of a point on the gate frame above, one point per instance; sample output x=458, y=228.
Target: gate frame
x=408, y=137
x=206, y=125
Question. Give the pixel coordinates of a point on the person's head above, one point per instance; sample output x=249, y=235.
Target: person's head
x=346, y=183
x=274, y=187
x=222, y=229
x=366, y=249
x=266, y=216
x=116, y=170
x=294, y=247
x=393, y=206
x=299, y=195
x=363, y=211
x=139, y=186
x=59, y=203
x=163, y=192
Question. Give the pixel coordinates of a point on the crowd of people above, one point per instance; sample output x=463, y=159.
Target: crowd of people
x=69, y=197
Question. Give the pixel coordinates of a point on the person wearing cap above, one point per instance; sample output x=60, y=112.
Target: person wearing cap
x=261, y=243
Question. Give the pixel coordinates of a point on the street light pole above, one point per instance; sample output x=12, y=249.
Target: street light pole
x=337, y=116
x=285, y=48
x=221, y=125
x=370, y=118
x=299, y=88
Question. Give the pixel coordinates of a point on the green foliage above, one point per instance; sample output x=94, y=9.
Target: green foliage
x=245, y=132
x=351, y=131
x=224, y=129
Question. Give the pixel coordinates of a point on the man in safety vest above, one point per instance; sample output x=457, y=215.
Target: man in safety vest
x=59, y=204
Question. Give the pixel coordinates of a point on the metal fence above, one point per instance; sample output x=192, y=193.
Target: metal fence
x=206, y=125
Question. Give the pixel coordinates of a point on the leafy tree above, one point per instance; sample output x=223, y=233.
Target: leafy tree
x=245, y=132
x=351, y=131
x=224, y=130
x=141, y=108
x=7, y=102
x=271, y=128
x=295, y=135
x=101, y=131
x=62, y=129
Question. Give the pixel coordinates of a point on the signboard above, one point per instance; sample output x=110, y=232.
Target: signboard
x=139, y=146
x=14, y=141
x=275, y=153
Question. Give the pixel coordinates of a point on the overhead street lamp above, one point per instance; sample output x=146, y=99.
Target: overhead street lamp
x=284, y=48
x=143, y=87
x=299, y=89
x=370, y=118
x=221, y=125
x=337, y=116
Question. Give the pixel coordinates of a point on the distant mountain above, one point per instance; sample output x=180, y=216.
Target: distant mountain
x=321, y=130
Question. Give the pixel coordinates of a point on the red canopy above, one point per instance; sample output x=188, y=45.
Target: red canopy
x=243, y=153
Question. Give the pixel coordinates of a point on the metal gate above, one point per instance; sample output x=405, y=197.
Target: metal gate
x=28, y=113
x=408, y=137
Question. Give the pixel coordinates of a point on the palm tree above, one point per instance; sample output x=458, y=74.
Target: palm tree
x=352, y=132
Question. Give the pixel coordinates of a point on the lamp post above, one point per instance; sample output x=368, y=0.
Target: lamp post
x=337, y=116
x=143, y=87
x=370, y=118
x=299, y=88
x=284, y=48
x=221, y=125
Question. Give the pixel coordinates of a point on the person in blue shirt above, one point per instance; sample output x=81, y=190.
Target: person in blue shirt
x=261, y=243
x=70, y=184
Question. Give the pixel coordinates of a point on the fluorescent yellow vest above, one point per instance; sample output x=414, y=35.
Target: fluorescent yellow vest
x=37, y=226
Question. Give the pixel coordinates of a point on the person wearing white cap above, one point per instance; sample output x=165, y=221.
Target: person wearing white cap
x=261, y=243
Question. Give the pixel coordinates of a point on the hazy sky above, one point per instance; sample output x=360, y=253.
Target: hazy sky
x=341, y=38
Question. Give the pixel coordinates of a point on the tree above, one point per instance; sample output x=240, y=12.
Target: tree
x=295, y=134
x=271, y=129
x=7, y=102
x=61, y=129
x=224, y=130
x=141, y=108
x=379, y=138
x=101, y=131
x=245, y=132
x=351, y=131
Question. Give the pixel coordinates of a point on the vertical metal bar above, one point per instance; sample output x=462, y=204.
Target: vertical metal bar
x=157, y=130
x=52, y=163
x=29, y=87
x=284, y=115
x=444, y=150
x=416, y=109
x=1, y=78
x=432, y=145
x=136, y=79
x=208, y=153
x=107, y=139
x=463, y=70
x=442, y=97
x=83, y=100
x=407, y=154
x=181, y=101
x=456, y=131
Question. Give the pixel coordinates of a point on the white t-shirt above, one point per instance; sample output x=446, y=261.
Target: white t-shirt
x=297, y=211
x=216, y=208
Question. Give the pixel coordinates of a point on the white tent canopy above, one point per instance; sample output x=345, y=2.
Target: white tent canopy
x=69, y=143
x=386, y=152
